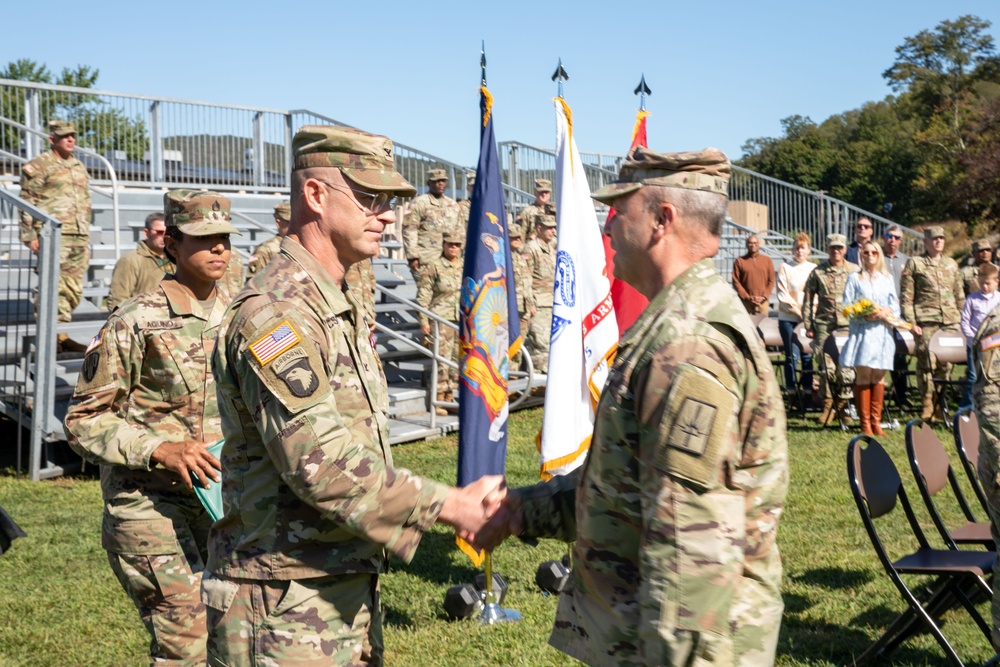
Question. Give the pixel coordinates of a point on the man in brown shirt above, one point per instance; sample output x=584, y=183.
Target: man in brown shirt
x=753, y=278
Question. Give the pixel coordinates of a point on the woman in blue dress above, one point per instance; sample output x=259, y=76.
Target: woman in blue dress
x=870, y=345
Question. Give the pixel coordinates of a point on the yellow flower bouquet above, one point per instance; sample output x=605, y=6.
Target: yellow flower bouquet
x=860, y=310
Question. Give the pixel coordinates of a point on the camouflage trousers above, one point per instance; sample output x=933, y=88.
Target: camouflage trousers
x=925, y=373
x=826, y=368
x=74, y=259
x=326, y=621
x=447, y=377
x=538, y=338
x=518, y=360
x=165, y=589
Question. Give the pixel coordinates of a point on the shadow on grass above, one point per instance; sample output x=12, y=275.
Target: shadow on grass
x=819, y=642
x=834, y=578
x=433, y=561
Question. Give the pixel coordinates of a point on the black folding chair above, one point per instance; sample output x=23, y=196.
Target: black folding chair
x=966, y=429
x=947, y=346
x=932, y=470
x=876, y=487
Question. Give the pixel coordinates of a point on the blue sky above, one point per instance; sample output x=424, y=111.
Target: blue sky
x=721, y=72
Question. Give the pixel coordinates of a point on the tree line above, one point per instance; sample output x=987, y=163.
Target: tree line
x=928, y=152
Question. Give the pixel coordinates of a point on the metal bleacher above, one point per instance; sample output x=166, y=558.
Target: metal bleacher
x=136, y=147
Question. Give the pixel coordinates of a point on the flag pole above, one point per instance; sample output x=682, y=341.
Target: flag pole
x=642, y=90
x=560, y=75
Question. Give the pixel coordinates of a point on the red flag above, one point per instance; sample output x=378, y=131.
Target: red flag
x=629, y=304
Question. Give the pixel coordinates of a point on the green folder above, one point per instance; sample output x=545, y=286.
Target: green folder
x=211, y=497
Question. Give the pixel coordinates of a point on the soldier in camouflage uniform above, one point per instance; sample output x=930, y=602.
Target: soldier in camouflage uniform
x=822, y=314
x=522, y=286
x=313, y=502
x=465, y=206
x=431, y=215
x=982, y=253
x=266, y=251
x=540, y=253
x=142, y=269
x=145, y=409
x=986, y=402
x=530, y=214
x=438, y=291
x=675, y=511
x=931, y=298
x=57, y=183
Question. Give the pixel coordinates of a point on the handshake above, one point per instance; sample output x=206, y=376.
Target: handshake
x=483, y=513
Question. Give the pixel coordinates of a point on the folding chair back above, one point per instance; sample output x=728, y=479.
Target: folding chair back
x=877, y=489
x=948, y=346
x=932, y=472
x=966, y=430
x=905, y=342
x=768, y=330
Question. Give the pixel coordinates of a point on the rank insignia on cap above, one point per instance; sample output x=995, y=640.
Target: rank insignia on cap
x=277, y=341
x=990, y=341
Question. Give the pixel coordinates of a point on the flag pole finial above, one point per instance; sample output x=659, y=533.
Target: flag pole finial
x=560, y=75
x=482, y=61
x=642, y=90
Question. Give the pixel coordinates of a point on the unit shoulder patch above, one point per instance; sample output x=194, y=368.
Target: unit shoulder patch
x=288, y=364
x=276, y=341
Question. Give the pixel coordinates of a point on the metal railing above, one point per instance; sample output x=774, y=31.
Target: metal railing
x=163, y=142
x=109, y=171
x=436, y=359
x=521, y=164
x=29, y=292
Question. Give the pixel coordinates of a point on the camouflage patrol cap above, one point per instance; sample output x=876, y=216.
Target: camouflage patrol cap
x=283, y=211
x=198, y=212
x=834, y=240
x=546, y=220
x=61, y=128
x=543, y=185
x=982, y=244
x=706, y=170
x=934, y=232
x=514, y=232
x=453, y=237
x=436, y=175
x=363, y=158
x=470, y=179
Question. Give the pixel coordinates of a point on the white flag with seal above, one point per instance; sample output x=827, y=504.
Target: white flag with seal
x=584, y=330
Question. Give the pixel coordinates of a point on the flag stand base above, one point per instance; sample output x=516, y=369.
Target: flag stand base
x=492, y=613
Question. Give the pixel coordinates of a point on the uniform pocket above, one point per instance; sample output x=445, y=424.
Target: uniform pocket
x=217, y=593
x=145, y=537
x=711, y=531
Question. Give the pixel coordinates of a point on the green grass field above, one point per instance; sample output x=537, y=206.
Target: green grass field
x=60, y=604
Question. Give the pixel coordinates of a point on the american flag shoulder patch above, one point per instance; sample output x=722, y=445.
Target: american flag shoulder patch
x=96, y=340
x=990, y=342
x=274, y=343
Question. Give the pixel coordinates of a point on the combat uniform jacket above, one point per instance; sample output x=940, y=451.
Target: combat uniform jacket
x=308, y=481
x=465, y=210
x=146, y=380
x=970, y=278
x=232, y=280
x=136, y=273
x=675, y=510
x=429, y=218
x=59, y=187
x=931, y=291
x=360, y=277
x=541, y=259
x=439, y=289
x=825, y=286
x=529, y=216
x=263, y=254
x=522, y=285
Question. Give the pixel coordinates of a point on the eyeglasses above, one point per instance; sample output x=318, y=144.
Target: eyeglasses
x=869, y=253
x=894, y=237
x=864, y=226
x=379, y=201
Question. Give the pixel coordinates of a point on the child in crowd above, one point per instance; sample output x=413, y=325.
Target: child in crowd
x=977, y=306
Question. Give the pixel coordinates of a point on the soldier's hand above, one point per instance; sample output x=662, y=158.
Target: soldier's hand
x=917, y=331
x=469, y=508
x=425, y=329
x=507, y=521
x=33, y=244
x=190, y=459
x=810, y=333
x=414, y=264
